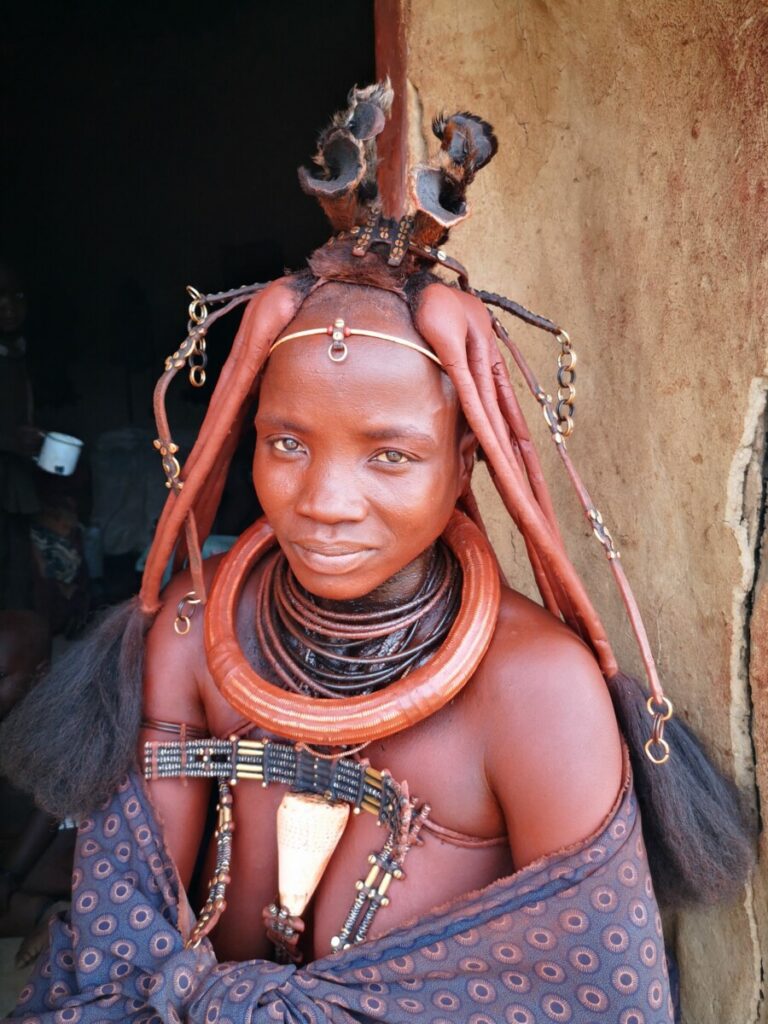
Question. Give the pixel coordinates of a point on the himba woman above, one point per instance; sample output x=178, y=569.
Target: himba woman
x=358, y=651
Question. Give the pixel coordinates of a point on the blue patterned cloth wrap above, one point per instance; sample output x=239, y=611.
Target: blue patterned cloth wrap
x=574, y=937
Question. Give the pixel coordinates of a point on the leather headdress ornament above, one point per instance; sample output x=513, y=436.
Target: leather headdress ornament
x=456, y=324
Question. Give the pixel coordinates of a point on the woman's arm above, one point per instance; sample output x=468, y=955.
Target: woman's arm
x=172, y=694
x=553, y=753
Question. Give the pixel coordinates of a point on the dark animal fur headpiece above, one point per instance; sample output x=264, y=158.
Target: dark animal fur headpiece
x=345, y=185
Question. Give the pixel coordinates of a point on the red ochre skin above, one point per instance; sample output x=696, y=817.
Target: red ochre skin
x=358, y=467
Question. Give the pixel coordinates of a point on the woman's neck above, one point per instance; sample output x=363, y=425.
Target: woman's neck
x=398, y=589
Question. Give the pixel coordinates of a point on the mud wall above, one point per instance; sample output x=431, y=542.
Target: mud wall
x=628, y=202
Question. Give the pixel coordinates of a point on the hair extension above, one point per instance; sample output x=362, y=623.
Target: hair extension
x=74, y=735
x=699, y=844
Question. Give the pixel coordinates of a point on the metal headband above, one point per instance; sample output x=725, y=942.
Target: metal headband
x=338, y=331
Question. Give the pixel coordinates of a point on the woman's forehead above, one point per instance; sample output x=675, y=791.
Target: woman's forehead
x=359, y=306
x=377, y=381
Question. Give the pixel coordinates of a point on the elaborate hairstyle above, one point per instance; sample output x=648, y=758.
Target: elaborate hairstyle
x=710, y=854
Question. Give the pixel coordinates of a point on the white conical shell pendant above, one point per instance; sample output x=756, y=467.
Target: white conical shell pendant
x=309, y=828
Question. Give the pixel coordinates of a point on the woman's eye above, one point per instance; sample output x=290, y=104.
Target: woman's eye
x=286, y=444
x=391, y=456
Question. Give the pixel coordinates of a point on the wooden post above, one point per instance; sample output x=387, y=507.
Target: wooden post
x=390, y=19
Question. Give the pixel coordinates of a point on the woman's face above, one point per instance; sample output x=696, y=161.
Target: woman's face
x=358, y=464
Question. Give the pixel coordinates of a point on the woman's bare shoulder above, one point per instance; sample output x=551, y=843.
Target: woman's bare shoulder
x=174, y=666
x=553, y=753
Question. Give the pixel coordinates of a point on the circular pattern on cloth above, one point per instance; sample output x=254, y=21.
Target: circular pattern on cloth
x=615, y=938
x=141, y=917
x=89, y=959
x=507, y=953
x=377, y=988
x=102, y=868
x=604, y=899
x=240, y=991
x=132, y=808
x=58, y=991
x=212, y=1011
x=109, y=993
x=517, y=1014
x=182, y=981
x=473, y=965
x=584, y=959
x=574, y=921
x=628, y=874
x=402, y=964
x=617, y=830
x=593, y=998
x=549, y=971
x=655, y=994
x=411, y=984
x=373, y=1005
x=143, y=835
x=649, y=952
x=632, y=1016
x=111, y=825
x=556, y=1008
x=638, y=913
x=161, y=944
x=437, y=951
x=121, y=890
x=123, y=852
x=69, y=1015
x=443, y=999
x=625, y=979
x=541, y=938
x=87, y=901
x=125, y=949
x=516, y=982
x=105, y=924
x=481, y=991
x=534, y=909
x=368, y=973
x=65, y=960
x=410, y=1005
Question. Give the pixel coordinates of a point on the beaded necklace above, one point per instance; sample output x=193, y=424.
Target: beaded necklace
x=340, y=652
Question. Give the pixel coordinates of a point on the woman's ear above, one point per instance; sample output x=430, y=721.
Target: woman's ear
x=467, y=452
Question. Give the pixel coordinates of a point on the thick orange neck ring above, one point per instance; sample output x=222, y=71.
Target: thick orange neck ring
x=352, y=720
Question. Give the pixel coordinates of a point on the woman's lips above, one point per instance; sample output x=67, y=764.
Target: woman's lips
x=330, y=559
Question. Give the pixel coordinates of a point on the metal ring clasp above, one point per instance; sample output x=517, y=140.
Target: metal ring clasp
x=337, y=350
x=185, y=609
x=198, y=311
x=657, y=732
x=648, y=748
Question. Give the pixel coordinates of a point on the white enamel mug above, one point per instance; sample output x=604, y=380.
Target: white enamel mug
x=59, y=453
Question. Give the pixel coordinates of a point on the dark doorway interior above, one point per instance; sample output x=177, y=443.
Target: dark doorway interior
x=146, y=147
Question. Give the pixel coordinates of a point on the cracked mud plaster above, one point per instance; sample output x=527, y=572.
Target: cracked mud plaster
x=745, y=515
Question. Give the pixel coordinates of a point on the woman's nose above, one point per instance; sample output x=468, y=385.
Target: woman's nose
x=330, y=493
